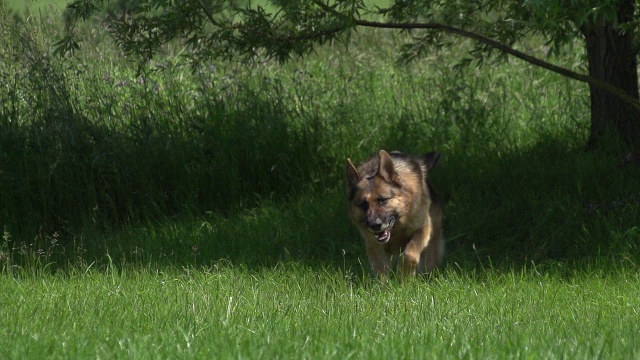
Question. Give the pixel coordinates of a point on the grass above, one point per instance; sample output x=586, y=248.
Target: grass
x=293, y=311
x=36, y=5
x=201, y=213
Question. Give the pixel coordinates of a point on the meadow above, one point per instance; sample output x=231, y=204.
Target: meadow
x=183, y=212
x=295, y=311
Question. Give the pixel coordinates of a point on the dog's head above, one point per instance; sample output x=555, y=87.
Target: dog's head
x=374, y=196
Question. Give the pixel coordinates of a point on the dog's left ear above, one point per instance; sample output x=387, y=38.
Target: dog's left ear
x=386, y=166
x=431, y=159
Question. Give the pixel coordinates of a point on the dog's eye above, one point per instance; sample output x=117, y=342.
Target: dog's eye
x=382, y=201
x=364, y=205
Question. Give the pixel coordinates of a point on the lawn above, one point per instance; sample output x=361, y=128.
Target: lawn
x=296, y=311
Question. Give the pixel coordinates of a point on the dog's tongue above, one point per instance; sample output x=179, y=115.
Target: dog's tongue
x=383, y=236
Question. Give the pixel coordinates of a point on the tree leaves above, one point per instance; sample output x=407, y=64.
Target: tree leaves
x=281, y=29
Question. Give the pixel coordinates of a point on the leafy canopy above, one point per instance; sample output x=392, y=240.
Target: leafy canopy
x=280, y=29
x=232, y=29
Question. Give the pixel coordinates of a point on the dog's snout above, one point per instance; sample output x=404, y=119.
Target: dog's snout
x=376, y=225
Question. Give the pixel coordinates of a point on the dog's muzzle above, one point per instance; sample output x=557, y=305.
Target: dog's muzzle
x=383, y=233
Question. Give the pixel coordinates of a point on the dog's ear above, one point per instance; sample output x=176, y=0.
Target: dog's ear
x=431, y=159
x=352, y=173
x=386, y=166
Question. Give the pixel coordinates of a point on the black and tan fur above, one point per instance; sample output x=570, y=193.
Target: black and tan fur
x=397, y=211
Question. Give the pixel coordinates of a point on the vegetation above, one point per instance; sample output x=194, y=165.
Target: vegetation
x=296, y=311
x=196, y=213
x=606, y=29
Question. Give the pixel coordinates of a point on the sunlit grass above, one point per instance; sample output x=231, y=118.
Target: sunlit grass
x=36, y=6
x=293, y=311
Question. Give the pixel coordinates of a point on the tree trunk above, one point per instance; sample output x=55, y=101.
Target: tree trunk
x=612, y=57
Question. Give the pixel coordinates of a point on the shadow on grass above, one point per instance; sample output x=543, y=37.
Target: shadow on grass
x=548, y=204
x=542, y=207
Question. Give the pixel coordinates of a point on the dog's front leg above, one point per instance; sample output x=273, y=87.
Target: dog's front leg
x=413, y=251
x=379, y=259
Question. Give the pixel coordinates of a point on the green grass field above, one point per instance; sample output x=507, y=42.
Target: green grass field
x=180, y=213
x=294, y=311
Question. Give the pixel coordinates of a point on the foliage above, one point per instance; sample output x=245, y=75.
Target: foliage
x=217, y=29
x=227, y=29
x=90, y=149
x=207, y=207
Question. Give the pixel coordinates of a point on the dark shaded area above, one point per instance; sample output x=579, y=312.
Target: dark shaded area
x=545, y=204
x=248, y=178
x=613, y=57
x=236, y=181
x=61, y=170
x=501, y=212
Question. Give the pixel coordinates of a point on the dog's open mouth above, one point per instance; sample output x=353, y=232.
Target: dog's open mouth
x=384, y=235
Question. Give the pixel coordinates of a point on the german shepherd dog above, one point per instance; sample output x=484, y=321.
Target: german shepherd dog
x=397, y=212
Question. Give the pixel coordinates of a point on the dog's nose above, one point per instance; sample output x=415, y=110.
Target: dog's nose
x=376, y=225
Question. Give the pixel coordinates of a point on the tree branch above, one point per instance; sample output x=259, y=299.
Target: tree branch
x=311, y=36
x=511, y=51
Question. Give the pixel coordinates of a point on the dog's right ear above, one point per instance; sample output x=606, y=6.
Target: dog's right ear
x=431, y=159
x=352, y=173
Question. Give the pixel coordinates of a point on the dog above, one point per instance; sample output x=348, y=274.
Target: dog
x=397, y=211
